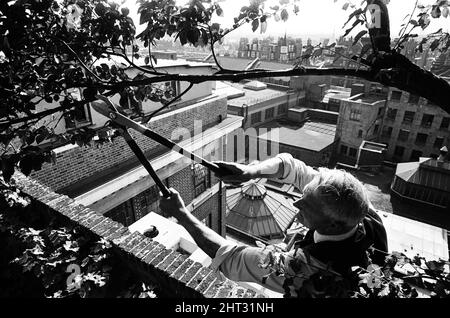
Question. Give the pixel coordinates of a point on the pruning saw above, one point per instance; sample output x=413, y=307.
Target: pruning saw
x=105, y=107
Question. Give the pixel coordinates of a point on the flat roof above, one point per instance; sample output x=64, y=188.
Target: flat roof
x=367, y=98
x=228, y=90
x=253, y=97
x=336, y=93
x=411, y=237
x=311, y=135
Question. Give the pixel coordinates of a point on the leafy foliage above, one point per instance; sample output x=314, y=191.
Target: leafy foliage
x=41, y=261
x=57, y=55
x=398, y=277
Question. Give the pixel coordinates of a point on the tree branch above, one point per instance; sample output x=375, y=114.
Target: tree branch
x=149, y=117
x=390, y=69
x=78, y=59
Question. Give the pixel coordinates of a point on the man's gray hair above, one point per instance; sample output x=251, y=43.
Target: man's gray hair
x=342, y=197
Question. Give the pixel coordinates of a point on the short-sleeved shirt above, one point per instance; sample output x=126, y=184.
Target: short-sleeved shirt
x=264, y=265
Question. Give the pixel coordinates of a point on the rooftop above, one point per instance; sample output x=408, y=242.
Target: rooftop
x=311, y=135
x=411, y=237
x=426, y=173
x=367, y=98
x=379, y=190
x=259, y=211
x=254, y=97
x=337, y=93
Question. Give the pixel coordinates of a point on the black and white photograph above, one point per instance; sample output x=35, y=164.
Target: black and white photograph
x=224, y=156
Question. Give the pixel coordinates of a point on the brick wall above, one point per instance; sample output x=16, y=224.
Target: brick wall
x=180, y=276
x=182, y=181
x=77, y=163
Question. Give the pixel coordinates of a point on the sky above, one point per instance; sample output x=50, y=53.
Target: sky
x=317, y=19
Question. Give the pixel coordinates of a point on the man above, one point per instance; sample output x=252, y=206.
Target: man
x=335, y=207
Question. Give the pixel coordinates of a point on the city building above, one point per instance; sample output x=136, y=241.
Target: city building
x=360, y=119
x=108, y=177
x=260, y=103
x=284, y=50
x=426, y=182
x=308, y=135
x=413, y=128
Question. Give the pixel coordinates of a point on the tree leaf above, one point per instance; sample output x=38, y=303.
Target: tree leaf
x=359, y=36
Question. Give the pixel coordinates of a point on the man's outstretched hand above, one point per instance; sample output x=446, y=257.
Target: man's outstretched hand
x=173, y=206
x=235, y=173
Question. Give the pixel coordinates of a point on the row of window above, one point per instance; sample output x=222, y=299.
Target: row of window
x=349, y=151
x=397, y=96
x=427, y=119
x=400, y=152
x=82, y=117
x=148, y=201
x=269, y=113
x=421, y=138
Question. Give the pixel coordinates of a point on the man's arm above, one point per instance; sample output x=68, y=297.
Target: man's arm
x=240, y=263
x=283, y=168
x=208, y=240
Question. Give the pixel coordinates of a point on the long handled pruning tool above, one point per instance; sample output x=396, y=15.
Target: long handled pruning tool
x=105, y=107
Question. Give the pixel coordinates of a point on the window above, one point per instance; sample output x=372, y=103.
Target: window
x=399, y=151
x=396, y=95
x=415, y=155
x=123, y=213
x=282, y=109
x=409, y=117
x=391, y=114
x=360, y=133
x=403, y=135
x=355, y=114
x=421, y=139
x=376, y=129
x=256, y=118
x=427, y=120
x=413, y=99
x=387, y=132
x=445, y=123
x=344, y=150
x=202, y=179
x=353, y=152
x=439, y=142
x=270, y=113
x=380, y=111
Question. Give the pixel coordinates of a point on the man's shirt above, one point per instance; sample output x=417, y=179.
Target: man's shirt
x=264, y=265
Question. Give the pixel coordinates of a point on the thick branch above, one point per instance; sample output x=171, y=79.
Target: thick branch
x=238, y=76
x=390, y=69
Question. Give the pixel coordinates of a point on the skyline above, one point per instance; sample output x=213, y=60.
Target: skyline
x=307, y=24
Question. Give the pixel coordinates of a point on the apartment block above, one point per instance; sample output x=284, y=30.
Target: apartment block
x=413, y=128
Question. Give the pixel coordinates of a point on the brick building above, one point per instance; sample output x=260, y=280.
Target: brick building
x=413, y=128
x=360, y=118
x=109, y=178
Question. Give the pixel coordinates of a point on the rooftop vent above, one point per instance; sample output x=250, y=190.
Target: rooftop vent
x=255, y=86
